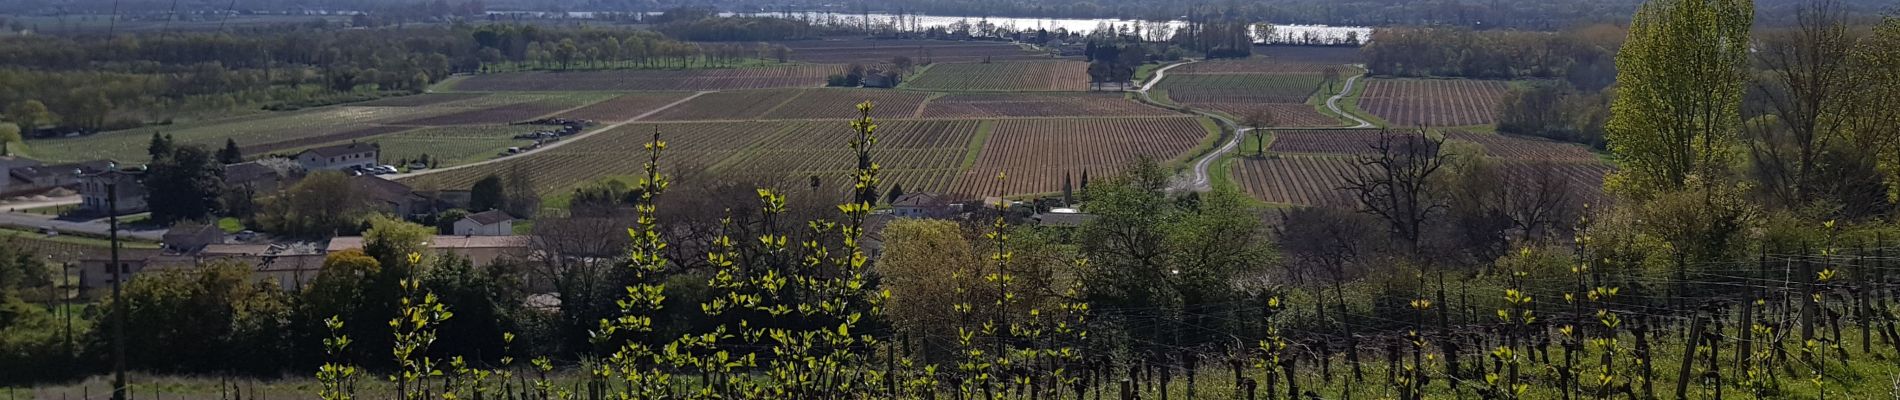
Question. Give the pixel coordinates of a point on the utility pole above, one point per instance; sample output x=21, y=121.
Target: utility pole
x=118, y=304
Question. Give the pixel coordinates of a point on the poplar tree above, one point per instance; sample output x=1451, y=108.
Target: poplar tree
x=1678, y=109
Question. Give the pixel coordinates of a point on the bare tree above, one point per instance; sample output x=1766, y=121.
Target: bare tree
x=1395, y=183
x=1806, y=85
x=1259, y=120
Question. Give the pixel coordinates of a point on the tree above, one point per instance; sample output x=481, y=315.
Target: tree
x=321, y=205
x=1677, y=109
x=230, y=154
x=1395, y=183
x=486, y=194
x=921, y=263
x=896, y=192
x=216, y=317
x=1806, y=87
x=1330, y=75
x=160, y=147
x=1259, y=120
x=520, y=198
x=184, y=185
x=29, y=115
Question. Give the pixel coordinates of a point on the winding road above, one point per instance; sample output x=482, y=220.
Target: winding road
x=1198, y=179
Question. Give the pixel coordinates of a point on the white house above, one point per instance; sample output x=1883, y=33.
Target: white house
x=921, y=205
x=339, y=157
x=486, y=223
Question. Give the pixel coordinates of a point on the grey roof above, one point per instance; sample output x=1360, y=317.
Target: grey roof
x=490, y=217
x=381, y=189
x=1068, y=220
x=917, y=200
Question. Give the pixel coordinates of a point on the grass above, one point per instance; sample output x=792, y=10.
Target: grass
x=1146, y=71
x=452, y=146
x=1215, y=137
x=263, y=128
x=977, y=141
x=1004, y=77
x=230, y=225
x=517, y=66
x=55, y=210
x=73, y=239
x=1350, y=104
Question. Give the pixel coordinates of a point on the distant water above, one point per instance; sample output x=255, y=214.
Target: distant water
x=1282, y=33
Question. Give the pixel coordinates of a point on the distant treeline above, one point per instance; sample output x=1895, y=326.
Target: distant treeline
x=92, y=83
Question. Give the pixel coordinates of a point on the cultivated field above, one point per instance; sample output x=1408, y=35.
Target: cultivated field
x=1523, y=148
x=1584, y=178
x=653, y=80
x=503, y=114
x=613, y=153
x=986, y=105
x=428, y=99
x=1310, y=54
x=1433, y=102
x=736, y=105
x=831, y=103
x=625, y=107
x=1254, y=65
x=1333, y=142
x=1284, y=114
x=1005, y=76
x=451, y=146
x=1036, y=154
x=1297, y=180
x=924, y=155
x=920, y=51
x=280, y=132
x=1240, y=88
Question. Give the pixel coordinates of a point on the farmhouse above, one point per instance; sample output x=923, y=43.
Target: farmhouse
x=339, y=157
x=486, y=223
x=97, y=189
x=289, y=265
x=264, y=175
x=921, y=205
x=24, y=176
x=480, y=250
x=391, y=196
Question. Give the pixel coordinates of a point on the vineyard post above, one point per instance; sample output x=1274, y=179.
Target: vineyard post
x=1746, y=324
x=1715, y=346
x=1861, y=310
x=1688, y=353
x=1646, y=355
x=1886, y=315
x=1808, y=306
x=1166, y=368
x=1128, y=392
x=1191, y=363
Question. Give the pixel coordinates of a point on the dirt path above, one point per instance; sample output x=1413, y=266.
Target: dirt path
x=551, y=146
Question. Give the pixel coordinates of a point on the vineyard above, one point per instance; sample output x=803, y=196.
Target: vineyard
x=1297, y=180
x=1433, y=102
x=419, y=100
x=253, y=130
x=738, y=105
x=1284, y=114
x=922, y=155
x=1334, y=55
x=625, y=107
x=986, y=105
x=504, y=114
x=1585, y=179
x=1037, y=154
x=1241, y=88
x=1523, y=148
x=653, y=80
x=1334, y=142
x=1253, y=65
x=1005, y=76
x=314, y=140
x=450, y=145
x=839, y=104
x=873, y=52
x=689, y=145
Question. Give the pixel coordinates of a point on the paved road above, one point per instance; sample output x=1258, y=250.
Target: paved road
x=38, y=203
x=1333, y=103
x=551, y=146
x=1198, y=178
x=98, y=228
